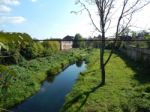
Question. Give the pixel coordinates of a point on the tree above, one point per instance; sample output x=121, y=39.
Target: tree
x=106, y=10
x=76, y=42
x=125, y=32
x=134, y=34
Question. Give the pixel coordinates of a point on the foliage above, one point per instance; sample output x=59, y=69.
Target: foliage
x=51, y=47
x=33, y=50
x=17, y=38
x=77, y=41
x=147, y=37
x=138, y=44
x=7, y=78
x=11, y=46
x=15, y=47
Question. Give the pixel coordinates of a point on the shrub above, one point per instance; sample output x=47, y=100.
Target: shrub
x=51, y=47
x=7, y=78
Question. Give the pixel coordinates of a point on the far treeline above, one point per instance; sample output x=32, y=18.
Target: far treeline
x=139, y=39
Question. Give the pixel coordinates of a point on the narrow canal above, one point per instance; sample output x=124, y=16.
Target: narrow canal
x=51, y=96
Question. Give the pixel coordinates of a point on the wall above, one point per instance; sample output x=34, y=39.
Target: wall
x=66, y=45
x=138, y=54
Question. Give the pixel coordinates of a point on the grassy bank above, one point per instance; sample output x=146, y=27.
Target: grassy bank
x=25, y=79
x=127, y=87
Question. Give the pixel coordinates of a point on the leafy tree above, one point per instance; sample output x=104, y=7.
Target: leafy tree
x=77, y=41
x=134, y=34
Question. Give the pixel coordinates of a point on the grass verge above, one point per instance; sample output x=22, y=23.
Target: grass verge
x=127, y=87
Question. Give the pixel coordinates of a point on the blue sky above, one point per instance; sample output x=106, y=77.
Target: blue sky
x=41, y=18
x=48, y=18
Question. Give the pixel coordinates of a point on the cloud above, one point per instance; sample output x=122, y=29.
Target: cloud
x=4, y=9
x=5, y=5
x=12, y=20
x=33, y=0
x=10, y=2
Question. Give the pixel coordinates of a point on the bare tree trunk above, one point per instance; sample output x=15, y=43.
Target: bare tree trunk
x=102, y=65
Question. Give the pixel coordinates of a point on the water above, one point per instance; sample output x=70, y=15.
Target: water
x=51, y=96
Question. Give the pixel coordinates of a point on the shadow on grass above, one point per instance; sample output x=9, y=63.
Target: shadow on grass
x=79, y=97
x=142, y=72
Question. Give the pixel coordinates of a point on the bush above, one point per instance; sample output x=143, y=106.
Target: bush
x=51, y=47
x=54, y=70
x=13, y=45
x=7, y=78
x=32, y=50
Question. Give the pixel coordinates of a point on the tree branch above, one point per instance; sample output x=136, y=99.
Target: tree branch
x=117, y=30
x=89, y=13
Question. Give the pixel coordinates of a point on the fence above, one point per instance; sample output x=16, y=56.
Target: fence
x=137, y=54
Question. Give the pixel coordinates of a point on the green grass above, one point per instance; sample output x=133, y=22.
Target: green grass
x=30, y=74
x=127, y=87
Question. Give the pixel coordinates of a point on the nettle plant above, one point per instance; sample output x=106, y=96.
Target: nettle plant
x=7, y=78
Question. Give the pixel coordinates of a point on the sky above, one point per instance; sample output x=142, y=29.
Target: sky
x=44, y=19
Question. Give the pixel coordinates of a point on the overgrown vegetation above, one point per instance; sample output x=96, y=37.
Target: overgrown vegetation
x=127, y=87
x=25, y=78
x=26, y=63
x=15, y=47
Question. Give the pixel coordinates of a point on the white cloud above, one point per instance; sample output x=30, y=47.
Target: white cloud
x=4, y=9
x=10, y=2
x=33, y=0
x=5, y=5
x=12, y=20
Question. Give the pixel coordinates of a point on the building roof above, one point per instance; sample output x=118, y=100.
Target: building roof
x=125, y=37
x=68, y=38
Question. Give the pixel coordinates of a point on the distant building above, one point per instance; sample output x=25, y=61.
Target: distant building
x=67, y=42
x=99, y=37
x=125, y=38
x=140, y=37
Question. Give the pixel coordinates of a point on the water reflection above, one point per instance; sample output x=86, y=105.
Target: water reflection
x=79, y=63
x=51, y=78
